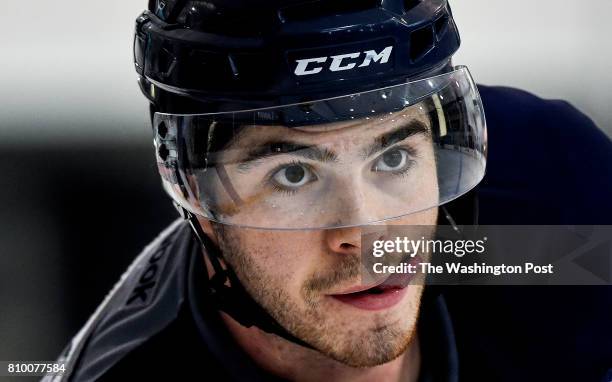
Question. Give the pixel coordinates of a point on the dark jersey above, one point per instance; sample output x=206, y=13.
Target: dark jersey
x=547, y=162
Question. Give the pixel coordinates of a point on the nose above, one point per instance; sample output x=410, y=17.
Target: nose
x=353, y=205
x=344, y=241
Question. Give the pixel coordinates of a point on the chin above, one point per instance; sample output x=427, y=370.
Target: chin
x=374, y=347
x=372, y=338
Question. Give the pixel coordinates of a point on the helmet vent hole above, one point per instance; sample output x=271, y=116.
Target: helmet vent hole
x=162, y=130
x=421, y=42
x=163, y=152
x=324, y=8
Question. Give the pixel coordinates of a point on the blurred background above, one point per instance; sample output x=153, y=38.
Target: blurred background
x=80, y=193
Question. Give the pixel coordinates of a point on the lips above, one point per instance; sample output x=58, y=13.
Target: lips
x=375, y=297
x=382, y=295
x=358, y=288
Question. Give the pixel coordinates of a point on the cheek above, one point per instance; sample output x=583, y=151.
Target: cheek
x=285, y=258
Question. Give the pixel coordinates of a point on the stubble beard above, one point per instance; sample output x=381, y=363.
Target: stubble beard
x=368, y=347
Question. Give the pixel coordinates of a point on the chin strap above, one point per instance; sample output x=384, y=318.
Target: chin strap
x=233, y=299
x=433, y=290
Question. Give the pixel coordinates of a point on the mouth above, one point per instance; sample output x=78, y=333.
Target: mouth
x=376, y=297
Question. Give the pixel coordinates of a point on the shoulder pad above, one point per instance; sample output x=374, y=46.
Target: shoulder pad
x=147, y=298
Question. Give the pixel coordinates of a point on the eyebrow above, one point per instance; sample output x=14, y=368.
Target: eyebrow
x=313, y=152
x=397, y=135
x=274, y=148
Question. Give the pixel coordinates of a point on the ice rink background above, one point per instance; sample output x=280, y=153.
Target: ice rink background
x=66, y=70
x=80, y=194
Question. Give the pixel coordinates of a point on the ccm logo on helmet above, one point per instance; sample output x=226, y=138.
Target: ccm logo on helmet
x=309, y=66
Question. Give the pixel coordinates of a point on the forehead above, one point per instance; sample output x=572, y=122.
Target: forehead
x=364, y=129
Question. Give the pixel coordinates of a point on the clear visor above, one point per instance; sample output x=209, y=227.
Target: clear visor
x=340, y=162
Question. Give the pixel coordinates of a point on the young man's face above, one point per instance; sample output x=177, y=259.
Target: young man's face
x=338, y=174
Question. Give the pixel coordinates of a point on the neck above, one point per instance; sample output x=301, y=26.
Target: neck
x=293, y=362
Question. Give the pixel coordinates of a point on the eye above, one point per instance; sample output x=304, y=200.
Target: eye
x=293, y=176
x=394, y=160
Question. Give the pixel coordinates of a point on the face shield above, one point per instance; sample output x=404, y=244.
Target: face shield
x=346, y=161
